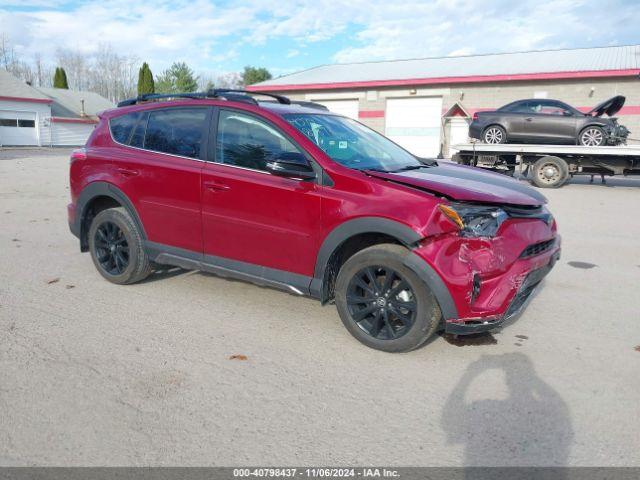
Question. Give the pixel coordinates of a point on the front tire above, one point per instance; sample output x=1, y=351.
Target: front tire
x=383, y=303
x=494, y=135
x=117, y=248
x=592, y=137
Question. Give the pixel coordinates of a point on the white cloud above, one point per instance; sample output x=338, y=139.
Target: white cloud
x=202, y=32
x=156, y=31
x=414, y=29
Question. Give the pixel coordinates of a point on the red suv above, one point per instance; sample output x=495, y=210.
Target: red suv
x=290, y=195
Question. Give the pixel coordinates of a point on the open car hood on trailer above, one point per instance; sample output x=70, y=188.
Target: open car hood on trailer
x=467, y=184
x=610, y=107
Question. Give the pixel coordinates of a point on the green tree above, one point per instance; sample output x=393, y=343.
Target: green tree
x=178, y=78
x=145, y=80
x=252, y=75
x=60, y=79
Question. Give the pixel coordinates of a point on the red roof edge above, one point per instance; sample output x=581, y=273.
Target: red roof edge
x=24, y=99
x=443, y=80
x=72, y=120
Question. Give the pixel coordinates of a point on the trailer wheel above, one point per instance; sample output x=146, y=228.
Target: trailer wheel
x=550, y=172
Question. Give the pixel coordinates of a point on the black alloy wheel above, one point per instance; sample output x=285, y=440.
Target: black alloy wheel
x=112, y=248
x=381, y=302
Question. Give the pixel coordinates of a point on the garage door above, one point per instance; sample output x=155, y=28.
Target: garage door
x=18, y=128
x=414, y=123
x=70, y=134
x=348, y=108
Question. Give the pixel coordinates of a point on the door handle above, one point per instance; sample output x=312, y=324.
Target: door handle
x=215, y=187
x=128, y=172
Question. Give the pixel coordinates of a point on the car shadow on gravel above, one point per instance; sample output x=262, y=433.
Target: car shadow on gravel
x=531, y=426
x=163, y=273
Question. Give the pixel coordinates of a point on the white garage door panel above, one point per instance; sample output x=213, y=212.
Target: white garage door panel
x=21, y=132
x=70, y=134
x=415, y=124
x=348, y=108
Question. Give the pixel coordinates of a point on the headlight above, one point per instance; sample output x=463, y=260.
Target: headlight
x=475, y=220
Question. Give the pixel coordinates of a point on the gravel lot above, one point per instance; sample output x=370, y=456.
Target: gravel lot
x=97, y=374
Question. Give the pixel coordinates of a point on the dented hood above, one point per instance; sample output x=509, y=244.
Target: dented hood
x=468, y=184
x=610, y=107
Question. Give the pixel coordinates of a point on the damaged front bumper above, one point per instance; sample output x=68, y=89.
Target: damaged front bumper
x=516, y=307
x=616, y=134
x=480, y=283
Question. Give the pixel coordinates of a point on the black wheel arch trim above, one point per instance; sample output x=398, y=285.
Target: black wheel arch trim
x=351, y=228
x=431, y=278
x=101, y=189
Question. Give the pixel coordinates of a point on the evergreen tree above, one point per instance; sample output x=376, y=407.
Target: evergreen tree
x=60, y=79
x=56, y=77
x=145, y=80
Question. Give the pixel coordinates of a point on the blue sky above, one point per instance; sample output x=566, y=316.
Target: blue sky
x=215, y=37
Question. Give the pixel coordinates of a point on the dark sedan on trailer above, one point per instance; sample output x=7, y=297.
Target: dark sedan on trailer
x=550, y=121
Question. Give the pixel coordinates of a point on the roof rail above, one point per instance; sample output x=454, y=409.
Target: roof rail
x=158, y=96
x=308, y=104
x=226, y=93
x=219, y=92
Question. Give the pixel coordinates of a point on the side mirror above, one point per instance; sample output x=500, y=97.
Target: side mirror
x=292, y=165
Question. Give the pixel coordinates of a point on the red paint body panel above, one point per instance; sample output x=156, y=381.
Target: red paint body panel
x=281, y=223
x=165, y=191
x=260, y=218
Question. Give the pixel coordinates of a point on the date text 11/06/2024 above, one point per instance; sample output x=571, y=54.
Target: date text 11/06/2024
x=316, y=472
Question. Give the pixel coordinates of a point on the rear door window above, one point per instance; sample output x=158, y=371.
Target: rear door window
x=178, y=131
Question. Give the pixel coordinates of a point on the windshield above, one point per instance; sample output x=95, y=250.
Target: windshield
x=352, y=144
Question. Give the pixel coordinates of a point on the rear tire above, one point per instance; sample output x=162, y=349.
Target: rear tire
x=383, y=303
x=494, y=134
x=592, y=137
x=117, y=247
x=550, y=172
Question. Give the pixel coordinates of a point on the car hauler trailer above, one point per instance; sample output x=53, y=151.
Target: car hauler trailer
x=550, y=166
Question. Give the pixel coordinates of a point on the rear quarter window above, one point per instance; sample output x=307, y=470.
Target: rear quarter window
x=122, y=126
